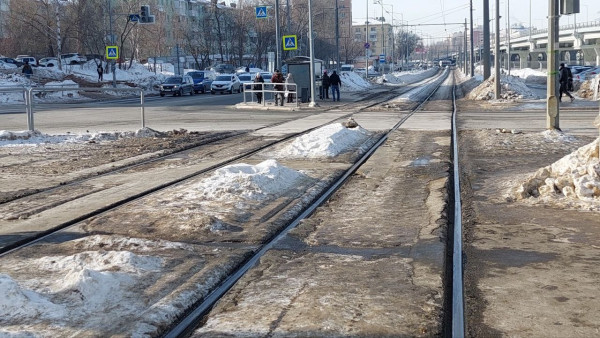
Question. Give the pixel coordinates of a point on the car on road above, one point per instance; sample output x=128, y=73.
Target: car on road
x=246, y=79
x=177, y=85
x=223, y=68
x=202, y=80
x=226, y=83
x=266, y=76
x=48, y=62
x=12, y=61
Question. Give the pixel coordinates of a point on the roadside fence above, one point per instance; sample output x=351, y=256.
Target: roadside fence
x=29, y=95
x=268, y=92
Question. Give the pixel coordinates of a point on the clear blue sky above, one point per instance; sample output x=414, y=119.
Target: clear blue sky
x=414, y=12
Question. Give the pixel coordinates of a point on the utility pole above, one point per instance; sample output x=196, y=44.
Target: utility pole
x=337, y=36
x=472, y=57
x=58, y=34
x=366, y=44
x=465, y=50
x=508, y=35
x=497, y=53
x=112, y=42
x=552, y=109
x=382, y=39
x=287, y=9
x=312, y=57
x=486, y=39
x=277, y=36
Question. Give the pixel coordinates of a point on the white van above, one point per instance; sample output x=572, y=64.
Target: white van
x=347, y=68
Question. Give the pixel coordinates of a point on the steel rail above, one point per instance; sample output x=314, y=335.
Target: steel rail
x=188, y=323
x=458, y=318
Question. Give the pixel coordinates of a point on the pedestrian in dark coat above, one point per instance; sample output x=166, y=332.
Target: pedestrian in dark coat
x=100, y=71
x=27, y=70
x=564, y=76
x=325, y=82
x=258, y=85
x=278, y=78
x=336, y=83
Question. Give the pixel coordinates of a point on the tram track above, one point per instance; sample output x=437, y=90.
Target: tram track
x=187, y=325
x=253, y=246
x=17, y=210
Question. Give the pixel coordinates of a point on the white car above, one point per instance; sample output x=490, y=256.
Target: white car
x=48, y=62
x=246, y=79
x=72, y=58
x=26, y=58
x=586, y=74
x=226, y=83
x=6, y=65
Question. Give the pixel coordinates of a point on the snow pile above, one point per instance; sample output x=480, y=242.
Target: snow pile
x=59, y=95
x=574, y=179
x=529, y=75
x=87, y=282
x=243, y=182
x=34, y=138
x=352, y=82
x=328, y=141
x=398, y=78
x=512, y=88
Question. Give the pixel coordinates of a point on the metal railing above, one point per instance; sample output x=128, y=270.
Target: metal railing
x=269, y=88
x=28, y=96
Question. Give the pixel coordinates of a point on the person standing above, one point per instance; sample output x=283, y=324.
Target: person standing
x=563, y=78
x=290, y=87
x=27, y=70
x=100, y=71
x=336, y=83
x=258, y=85
x=279, y=87
x=325, y=82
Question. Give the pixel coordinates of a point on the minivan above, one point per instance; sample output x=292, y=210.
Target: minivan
x=202, y=80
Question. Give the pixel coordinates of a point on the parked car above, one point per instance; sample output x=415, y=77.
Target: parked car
x=226, y=83
x=6, y=65
x=266, y=76
x=177, y=85
x=223, y=68
x=587, y=74
x=72, y=58
x=12, y=61
x=48, y=62
x=26, y=58
x=202, y=80
x=246, y=80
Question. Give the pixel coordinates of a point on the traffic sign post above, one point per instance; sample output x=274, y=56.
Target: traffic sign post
x=367, y=45
x=261, y=12
x=290, y=42
x=112, y=52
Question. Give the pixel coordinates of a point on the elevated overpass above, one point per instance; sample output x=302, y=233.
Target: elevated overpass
x=578, y=44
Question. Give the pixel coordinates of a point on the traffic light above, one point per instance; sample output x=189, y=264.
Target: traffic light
x=145, y=16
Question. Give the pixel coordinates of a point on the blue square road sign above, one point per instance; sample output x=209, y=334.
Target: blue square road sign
x=261, y=12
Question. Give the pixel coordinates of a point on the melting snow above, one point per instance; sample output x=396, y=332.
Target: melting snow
x=511, y=88
x=35, y=138
x=573, y=180
x=328, y=141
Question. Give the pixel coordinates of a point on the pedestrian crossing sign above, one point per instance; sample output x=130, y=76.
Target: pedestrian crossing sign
x=290, y=42
x=261, y=12
x=112, y=52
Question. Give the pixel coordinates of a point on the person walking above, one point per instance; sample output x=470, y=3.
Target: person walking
x=258, y=85
x=563, y=78
x=279, y=87
x=290, y=87
x=325, y=82
x=100, y=71
x=27, y=70
x=336, y=83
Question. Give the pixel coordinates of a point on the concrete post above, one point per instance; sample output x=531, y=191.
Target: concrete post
x=523, y=59
x=552, y=109
x=497, y=54
x=486, y=40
